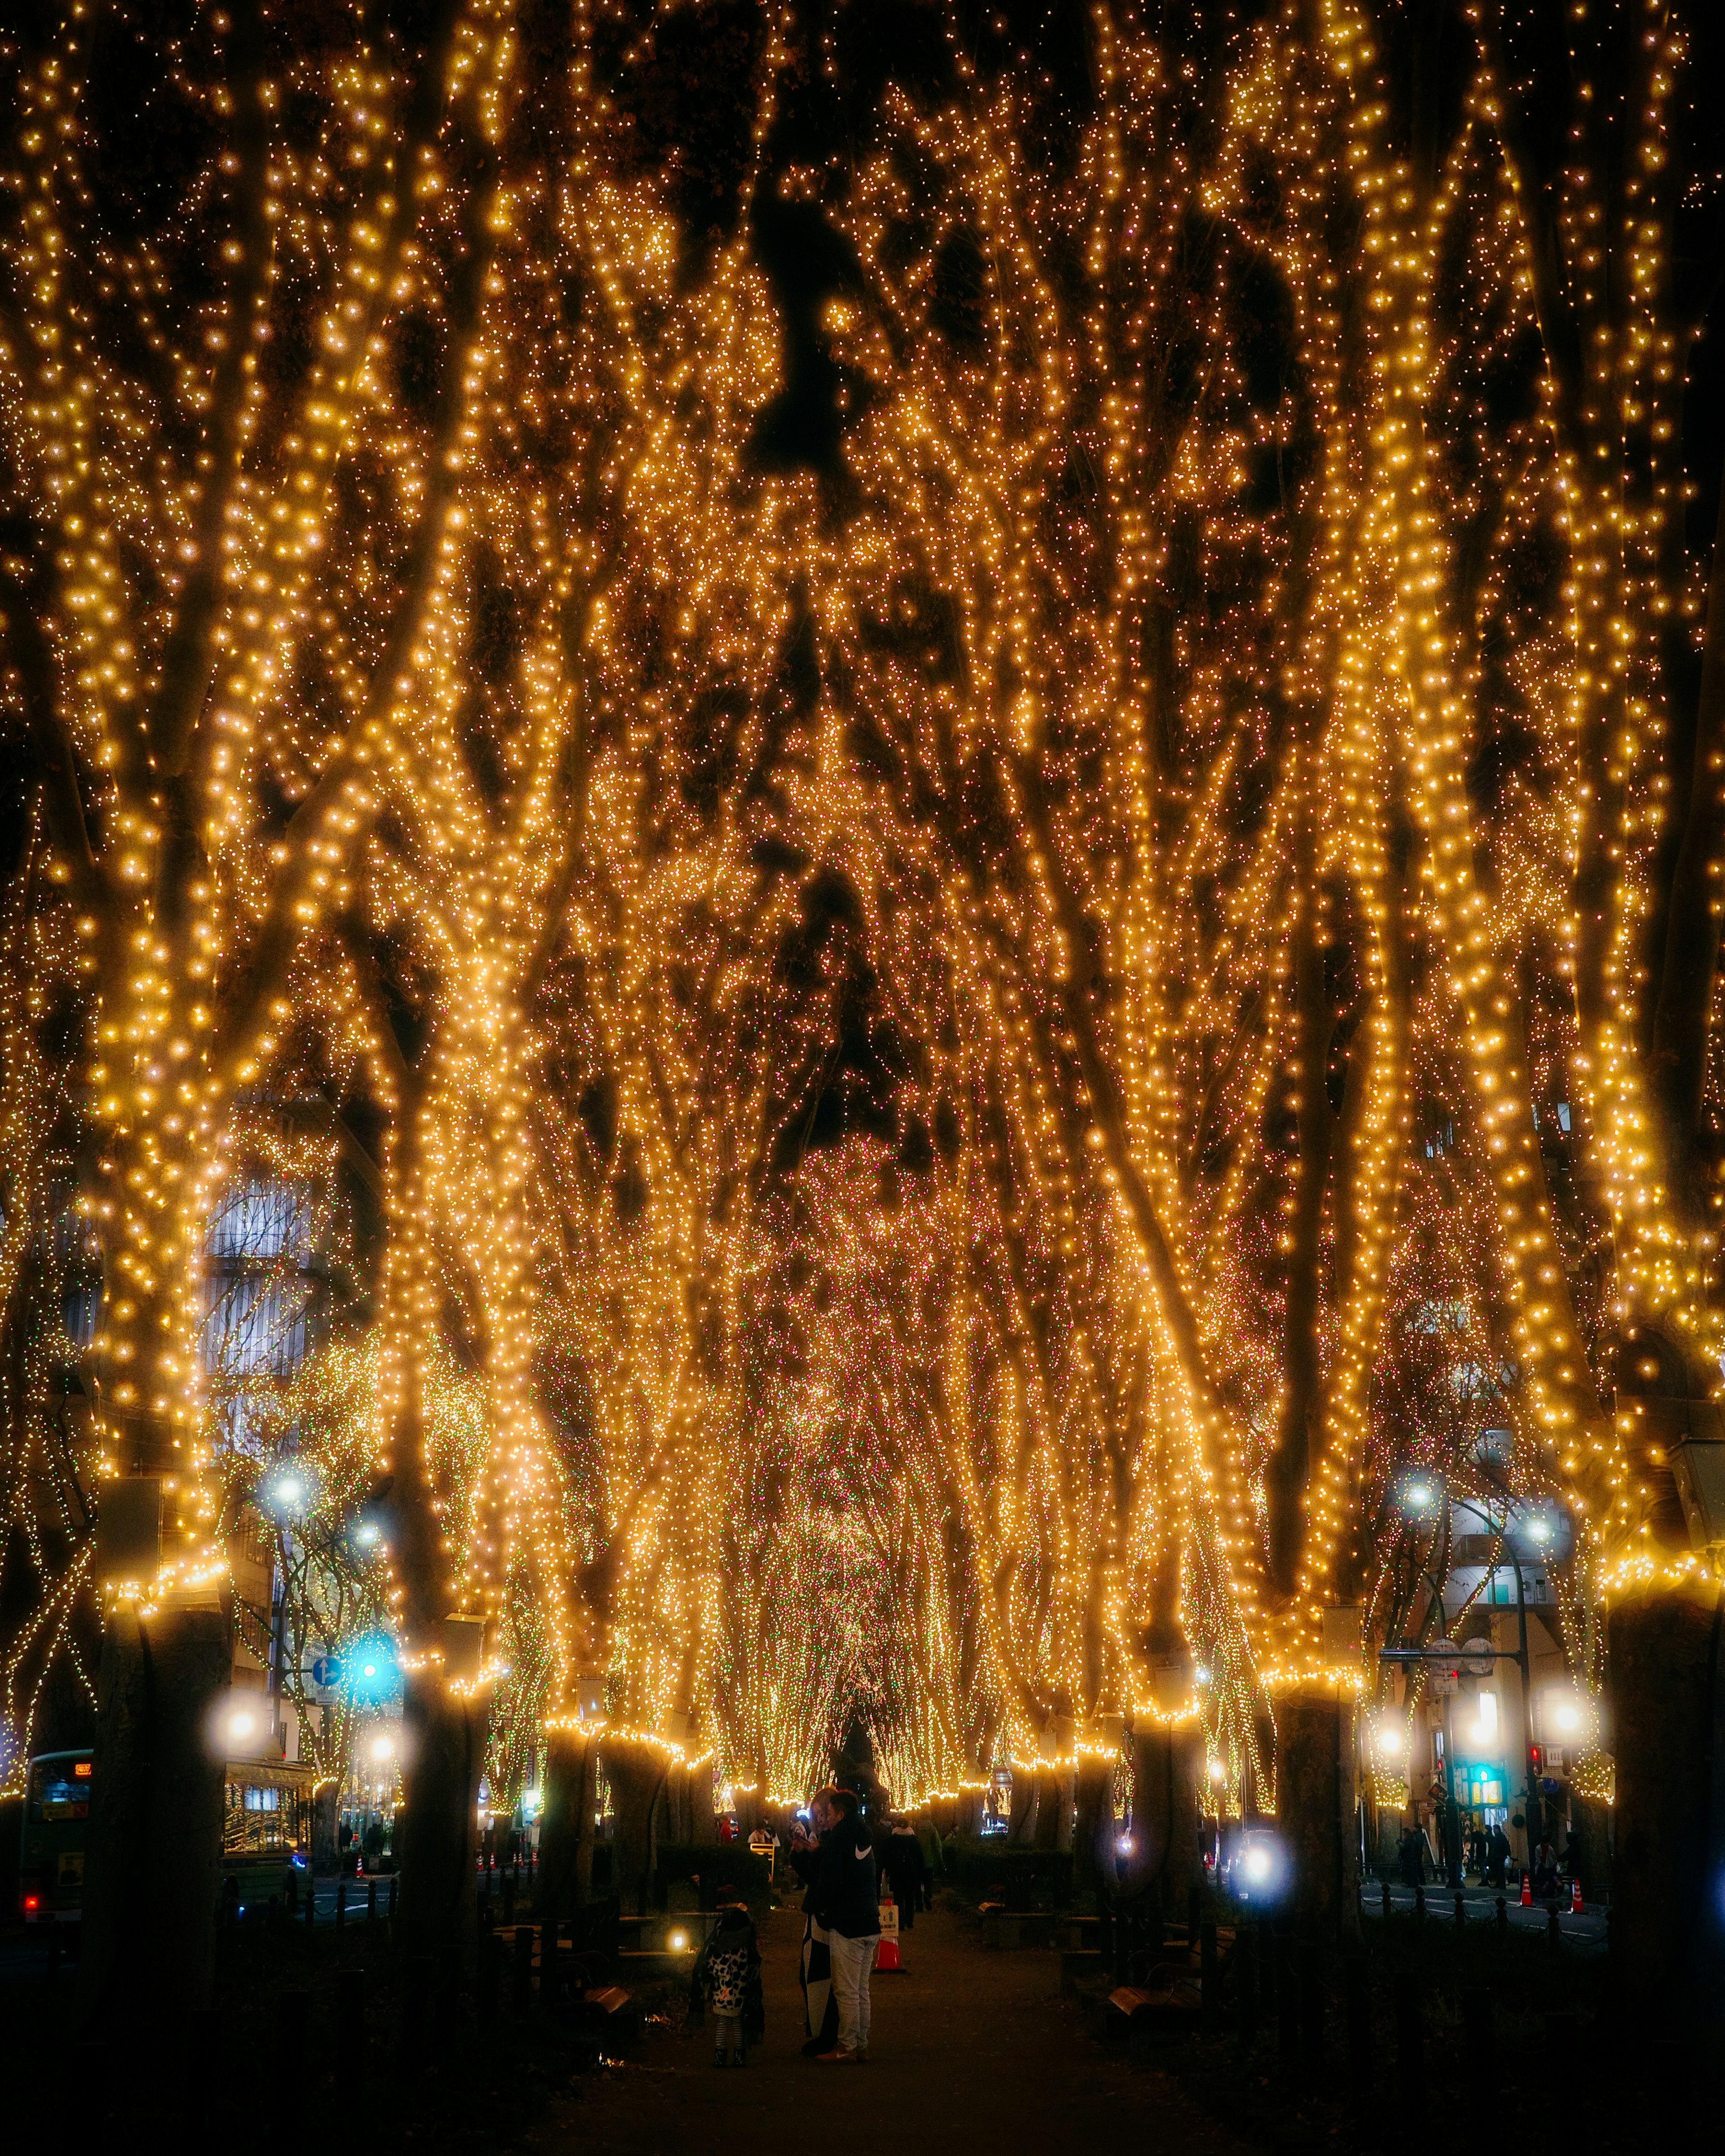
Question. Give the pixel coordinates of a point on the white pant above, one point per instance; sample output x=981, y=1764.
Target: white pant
x=852, y=1961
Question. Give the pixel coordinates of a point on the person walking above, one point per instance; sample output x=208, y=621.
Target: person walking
x=903, y=1859
x=843, y=1888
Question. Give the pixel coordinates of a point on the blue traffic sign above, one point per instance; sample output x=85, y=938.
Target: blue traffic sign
x=326, y=1670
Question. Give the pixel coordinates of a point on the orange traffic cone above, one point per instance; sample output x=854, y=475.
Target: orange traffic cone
x=1527, y=1892
x=886, y=1960
x=1577, y=1907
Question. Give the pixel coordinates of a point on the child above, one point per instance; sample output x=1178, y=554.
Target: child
x=728, y=1973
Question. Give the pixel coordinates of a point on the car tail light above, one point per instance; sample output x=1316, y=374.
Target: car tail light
x=32, y=1902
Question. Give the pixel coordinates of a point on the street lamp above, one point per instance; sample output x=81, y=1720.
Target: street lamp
x=287, y=1492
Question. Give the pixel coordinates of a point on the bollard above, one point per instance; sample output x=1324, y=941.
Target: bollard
x=1245, y=1978
x=1502, y=1914
x=1209, y=1979
x=1358, y=2010
x=1419, y=1901
x=349, y=2031
x=1478, y=2031
x=371, y=1905
x=1409, y=2044
x=340, y=1901
x=1386, y=1897
x=523, y=1994
x=1460, y=1914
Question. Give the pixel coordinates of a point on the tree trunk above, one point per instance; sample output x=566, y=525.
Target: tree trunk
x=1167, y=1758
x=326, y=1824
x=967, y=1814
x=1066, y=1796
x=153, y=1867
x=568, y=1809
x=1316, y=1781
x=1093, y=1832
x=436, y=1835
x=1668, y=1712
x=1021, y=1819
x=1682, y=1018
x=1288, y=1474
x=1182, y=1869
x=1050, y=1811
x=637, y=1772
x=703, y=1819
x=1152, y=1771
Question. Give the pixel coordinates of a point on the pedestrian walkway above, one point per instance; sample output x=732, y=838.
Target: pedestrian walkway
x=971, y=2050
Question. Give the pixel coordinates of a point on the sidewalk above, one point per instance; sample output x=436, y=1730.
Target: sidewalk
x=970, y=2051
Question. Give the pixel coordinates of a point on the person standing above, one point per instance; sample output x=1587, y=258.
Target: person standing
x=905, y=1866
x=843, y=1890
x=727, y=1976
x=821, y=2006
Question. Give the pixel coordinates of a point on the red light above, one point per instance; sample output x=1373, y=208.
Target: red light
x=32, y=1902
x=1533, y=1751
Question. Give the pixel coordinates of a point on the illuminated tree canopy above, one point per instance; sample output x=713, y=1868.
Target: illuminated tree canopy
x=941, y=788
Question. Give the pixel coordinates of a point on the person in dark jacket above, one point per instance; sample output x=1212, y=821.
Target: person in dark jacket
x=902, y=1859
x=844, y=1899
x=821, y=2006
x=727, y=1976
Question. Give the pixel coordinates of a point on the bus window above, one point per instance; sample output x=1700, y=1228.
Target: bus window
x=59, y=1789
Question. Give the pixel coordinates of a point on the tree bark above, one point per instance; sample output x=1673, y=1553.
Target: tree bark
x=1021, y=1819
x=436, y=1835
x=637, y=1772
x=1288, y=1473
x=1317, y=1774
x=1093, y=1829
x=153, y=1866
x=1050, y=1809
x=1683, y=1016
x=703, y=1819
x=1668, y=1710
x=1167, y=1758
x=566, y=1825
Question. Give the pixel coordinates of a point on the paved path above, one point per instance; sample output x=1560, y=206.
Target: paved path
x=972, y=2050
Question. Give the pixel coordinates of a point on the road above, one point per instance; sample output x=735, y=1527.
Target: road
x=1585, y=1931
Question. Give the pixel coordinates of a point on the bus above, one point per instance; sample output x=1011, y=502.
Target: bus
x=56, y=1823
x=266, y=1835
